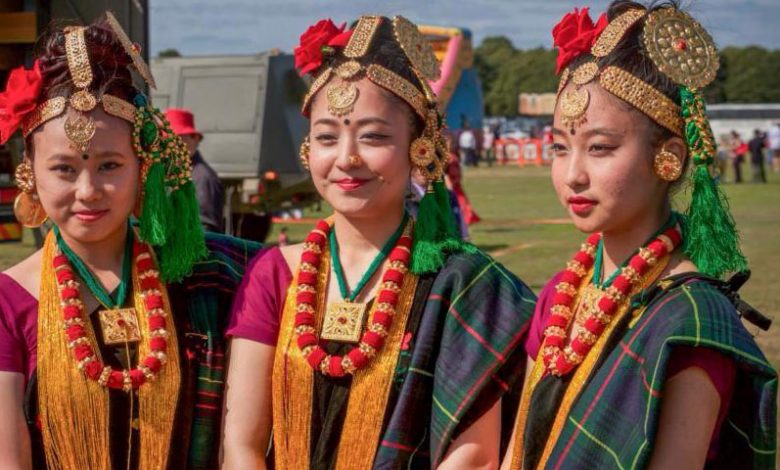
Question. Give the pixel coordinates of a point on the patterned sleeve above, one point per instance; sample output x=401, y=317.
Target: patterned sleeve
x=487, y=312
x=258, y=305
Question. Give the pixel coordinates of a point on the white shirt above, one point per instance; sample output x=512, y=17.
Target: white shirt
x=467, y=140
x=774, y=137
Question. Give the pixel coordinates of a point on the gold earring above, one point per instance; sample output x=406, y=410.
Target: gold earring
x=27, y=207
x=355, y=161
x=303, y=152
x=667, y=165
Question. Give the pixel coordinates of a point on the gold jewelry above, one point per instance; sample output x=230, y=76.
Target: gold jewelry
x=316, y=86
x=54, y=107
x=361, y=37
x=680, y=47
x=27, y=207
x=132, y=50
x=303, y=152
x=667, y=165
x=80, y=128
x=417, y=49
x=422, y=152
x=119, y=326
x=565, y=76
x=585, y=73
x=400, y=87
x=78, y=58
x=349, y=70
x=644, y=97
x=574, y=105
x=355, y=161
x=118, y=107
x=615, y=31
x=342, y=96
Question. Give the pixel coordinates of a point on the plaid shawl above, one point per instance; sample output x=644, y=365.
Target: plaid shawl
x=466, y=354
x=614, y=421
x=206, y=297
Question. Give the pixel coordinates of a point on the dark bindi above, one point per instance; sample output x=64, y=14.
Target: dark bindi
x=346, y=122
x=85, y=157
x=572, y=131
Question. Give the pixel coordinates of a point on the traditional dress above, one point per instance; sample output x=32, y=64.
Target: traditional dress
x=458, y=353
x=200, y=304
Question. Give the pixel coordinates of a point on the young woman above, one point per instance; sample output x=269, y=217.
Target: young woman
x=111, y=352
x=380, y=342
x=637, y=359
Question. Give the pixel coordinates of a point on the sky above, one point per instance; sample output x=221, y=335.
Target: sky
x=201, y=27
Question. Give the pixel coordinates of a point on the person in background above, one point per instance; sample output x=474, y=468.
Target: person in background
x=773, y=138
x=467, y=143
x=488, y=152
x=756, y=146
x=283, y=239
x=738, y=149
x=208, y=187
x=722, y=157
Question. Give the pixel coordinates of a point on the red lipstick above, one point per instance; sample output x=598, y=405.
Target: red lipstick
x=581, y=205
x=90, y=216
x=351, y=184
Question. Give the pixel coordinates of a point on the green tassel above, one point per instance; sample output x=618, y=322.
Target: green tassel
x=711, y=238
x=435, y=232
x=186, y=243
x=156, y=209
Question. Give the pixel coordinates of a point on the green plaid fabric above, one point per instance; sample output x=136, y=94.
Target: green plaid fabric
x=614, y=421
x=465, y=355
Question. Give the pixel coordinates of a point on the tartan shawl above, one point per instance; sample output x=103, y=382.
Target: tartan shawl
x=465, y=355
x=614, y=421
x=206, y=297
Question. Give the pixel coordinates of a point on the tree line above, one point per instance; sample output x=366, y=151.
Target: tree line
x=747, y=75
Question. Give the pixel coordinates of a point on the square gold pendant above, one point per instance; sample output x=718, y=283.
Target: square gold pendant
x=343, y=322
x=119, y=326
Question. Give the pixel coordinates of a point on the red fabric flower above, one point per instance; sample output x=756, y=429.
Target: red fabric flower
x=308, y=54
x=19, y=98
x=575, y=35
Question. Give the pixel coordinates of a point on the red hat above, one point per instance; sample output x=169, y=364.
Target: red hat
x=182, y=121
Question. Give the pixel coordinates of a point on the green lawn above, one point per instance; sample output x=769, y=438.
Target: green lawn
x=525, y=228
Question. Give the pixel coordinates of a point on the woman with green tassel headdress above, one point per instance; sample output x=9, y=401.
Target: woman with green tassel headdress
x=385, y=342
x=637, y=354
x=111, y=336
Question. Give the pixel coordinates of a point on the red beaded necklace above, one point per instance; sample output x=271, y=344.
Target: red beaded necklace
x=373, y=338
x=75, y=320
x=560, y=358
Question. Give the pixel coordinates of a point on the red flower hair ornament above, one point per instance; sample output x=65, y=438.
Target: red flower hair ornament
x=575, y=35
x=19, y=98
x=316, y=40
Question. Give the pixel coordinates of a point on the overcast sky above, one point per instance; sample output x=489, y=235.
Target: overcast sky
x=246, y=26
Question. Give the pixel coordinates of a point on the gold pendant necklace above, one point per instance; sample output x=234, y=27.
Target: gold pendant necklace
x=343, y=321
x=119, y=326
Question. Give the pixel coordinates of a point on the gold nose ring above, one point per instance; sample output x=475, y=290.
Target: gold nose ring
x=355, y=160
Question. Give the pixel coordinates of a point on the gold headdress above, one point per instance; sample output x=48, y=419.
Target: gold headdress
x=435, y=231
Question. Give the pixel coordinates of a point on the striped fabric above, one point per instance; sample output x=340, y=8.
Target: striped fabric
x=613, y=423
x=205, y=297
x=466, y=354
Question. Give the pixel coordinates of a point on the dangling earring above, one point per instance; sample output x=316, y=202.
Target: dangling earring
x=27, y=207
x=303, y=152
x=667, y=165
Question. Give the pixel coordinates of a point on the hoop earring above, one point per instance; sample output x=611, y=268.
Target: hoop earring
x=355, y=161
x=303, y=152
x=27, y=207
x=667, y=165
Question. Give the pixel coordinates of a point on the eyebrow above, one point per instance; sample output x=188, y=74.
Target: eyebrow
x=359, y=122
x=603, y=131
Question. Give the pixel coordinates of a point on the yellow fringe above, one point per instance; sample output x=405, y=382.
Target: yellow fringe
x=293, y=381
x=74, y=410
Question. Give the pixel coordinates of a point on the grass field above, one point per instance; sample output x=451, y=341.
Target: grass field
x=525, y=228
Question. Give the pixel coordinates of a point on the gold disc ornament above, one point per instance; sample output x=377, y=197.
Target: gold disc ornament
x=574, y=104
x=83, y=101
x=667, y=166
x=80, y=129
x=29, y=211
x=680, y=48
x=422, y=152
x=341, y=98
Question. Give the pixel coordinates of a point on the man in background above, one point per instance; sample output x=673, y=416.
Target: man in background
x=208, y=187
x=773, y=137
x=756, y=146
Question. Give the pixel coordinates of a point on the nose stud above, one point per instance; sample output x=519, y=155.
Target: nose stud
x=356, y=161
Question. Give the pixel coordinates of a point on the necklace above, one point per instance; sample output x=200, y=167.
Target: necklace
x=561, y=358
x=344, y=320
x=119, y=325
x=75, y=318
x=373, y=338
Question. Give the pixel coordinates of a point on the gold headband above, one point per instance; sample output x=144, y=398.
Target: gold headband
x=614, y=32
x=54, y=107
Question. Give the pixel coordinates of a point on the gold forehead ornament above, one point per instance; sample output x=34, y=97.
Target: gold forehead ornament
x=132, y=50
